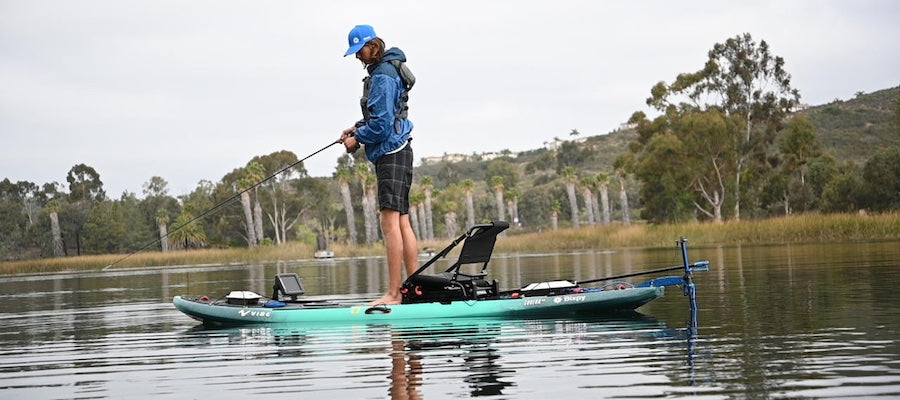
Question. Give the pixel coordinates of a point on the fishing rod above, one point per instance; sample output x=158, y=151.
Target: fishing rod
x=653, y=271
x=217, y=206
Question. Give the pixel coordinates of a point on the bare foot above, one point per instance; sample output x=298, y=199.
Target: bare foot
x=386, y=300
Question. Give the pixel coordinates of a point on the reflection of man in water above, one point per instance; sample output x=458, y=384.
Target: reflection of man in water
x=483, y=372
x=405, y=383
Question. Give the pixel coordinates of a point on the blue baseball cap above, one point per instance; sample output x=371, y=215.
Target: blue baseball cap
x=359, y=36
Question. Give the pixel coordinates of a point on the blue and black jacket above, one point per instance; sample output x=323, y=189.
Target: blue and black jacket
x=384, y=128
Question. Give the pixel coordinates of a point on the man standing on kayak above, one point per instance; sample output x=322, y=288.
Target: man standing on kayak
x=385, y=132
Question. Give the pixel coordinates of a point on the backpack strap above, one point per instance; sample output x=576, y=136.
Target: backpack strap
x=409, y=80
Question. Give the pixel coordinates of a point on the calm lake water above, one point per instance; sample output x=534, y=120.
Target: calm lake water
x=782, y=321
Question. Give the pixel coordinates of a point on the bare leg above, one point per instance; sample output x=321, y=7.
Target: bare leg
x=410, y=246
x=393, y=243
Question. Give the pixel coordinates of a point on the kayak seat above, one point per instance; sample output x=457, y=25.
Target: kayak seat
x=443, y=279
x=452, y=284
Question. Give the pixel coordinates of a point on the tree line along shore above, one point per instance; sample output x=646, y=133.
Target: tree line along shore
x=790, y=229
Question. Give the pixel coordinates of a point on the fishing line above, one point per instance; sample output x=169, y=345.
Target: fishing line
x=217, y=206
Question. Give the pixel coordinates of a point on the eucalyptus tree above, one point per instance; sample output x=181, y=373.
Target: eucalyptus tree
x=17, y=207
x=138, y=231
x=504, y=168
x=275, y=193
x=572, y=154
x=85, y=184
x=427, y=186
x=250, y=231
x=344, y=176
x=85, y=190
x=570, y=176
x=707, y=157
x=314, y=199
x=468, y=187
x=844, y=193
x=744, y=80
x=105, y=230
x=156, y=186
x=53, y=208
x=498, y=186
x=602, y=181
x=30, y=197
x=881, y=180
x=799, y=147
x=256, y=172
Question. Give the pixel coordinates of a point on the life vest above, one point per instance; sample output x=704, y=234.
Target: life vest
x=408, y=79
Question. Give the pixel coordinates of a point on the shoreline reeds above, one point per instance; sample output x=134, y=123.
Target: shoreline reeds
x=789, y=229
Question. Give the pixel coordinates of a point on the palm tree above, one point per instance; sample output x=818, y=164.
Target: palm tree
x=570, y=176
x=420, y=208
x=512, y=202
x=366, y=181
x=450, y=224
x=53, y=207
x=371, y=192
x=587, y=186
x=468, y=186
x=344, y=176
x=427, y=185
x=603, y=184
x=623, y=197
x=162, y=218
x=187, y=235
x=243, y=185
x=556, y=207
x=415, y=197
x=497, y=185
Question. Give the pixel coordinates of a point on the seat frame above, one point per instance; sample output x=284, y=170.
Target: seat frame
x=452, y=284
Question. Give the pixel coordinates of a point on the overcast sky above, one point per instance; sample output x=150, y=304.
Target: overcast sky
x=190, y=90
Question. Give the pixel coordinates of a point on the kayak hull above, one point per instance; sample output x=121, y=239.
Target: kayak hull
x=219, y=313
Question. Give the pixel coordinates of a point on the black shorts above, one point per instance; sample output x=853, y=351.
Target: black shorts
x=394, y=172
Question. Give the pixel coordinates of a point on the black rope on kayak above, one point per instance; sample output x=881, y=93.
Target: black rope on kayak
x=217, y=206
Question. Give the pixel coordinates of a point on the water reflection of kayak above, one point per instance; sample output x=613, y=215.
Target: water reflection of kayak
x=450, y=294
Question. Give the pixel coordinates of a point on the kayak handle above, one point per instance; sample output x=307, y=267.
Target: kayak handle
x=380, y=309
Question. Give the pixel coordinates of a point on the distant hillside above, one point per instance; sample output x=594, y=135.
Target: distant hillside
x=853, y=129
x=856, y=129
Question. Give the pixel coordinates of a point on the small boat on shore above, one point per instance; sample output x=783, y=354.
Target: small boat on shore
x=323, y=254
x=450, y=294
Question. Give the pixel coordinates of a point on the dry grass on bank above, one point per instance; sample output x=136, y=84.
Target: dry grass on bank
x=792, y=229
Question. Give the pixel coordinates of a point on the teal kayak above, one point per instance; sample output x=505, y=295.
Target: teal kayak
x=450, y=294
x=221, y=313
